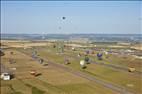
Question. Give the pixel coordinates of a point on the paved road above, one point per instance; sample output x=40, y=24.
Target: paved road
x=113, y=66
x=117, y=67
x=115, y=88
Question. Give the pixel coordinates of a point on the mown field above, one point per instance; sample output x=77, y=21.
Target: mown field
x=55, y=80
x=52, y=80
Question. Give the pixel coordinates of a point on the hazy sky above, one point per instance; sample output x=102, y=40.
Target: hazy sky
x=81, y=17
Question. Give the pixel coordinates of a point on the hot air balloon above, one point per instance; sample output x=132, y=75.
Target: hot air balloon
x=73, y=49
x=79, y=55
x=63, y=18
x=67, y=61
x=34, y=52
x=106, y=54
x=40, y=61
x=87, y=60
x=99, y=55
x=34, y=55
x=83, y=64
x=87, y=52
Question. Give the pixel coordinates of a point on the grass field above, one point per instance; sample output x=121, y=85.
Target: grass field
x=55, y=80
x=105, y=73
x=52, y=80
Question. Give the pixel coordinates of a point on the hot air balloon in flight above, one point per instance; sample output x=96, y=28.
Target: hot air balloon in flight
x=63, y=18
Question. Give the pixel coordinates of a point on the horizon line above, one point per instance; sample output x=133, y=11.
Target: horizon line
x=69, y=33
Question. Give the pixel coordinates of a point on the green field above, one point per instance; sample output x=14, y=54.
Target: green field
x=55, y=80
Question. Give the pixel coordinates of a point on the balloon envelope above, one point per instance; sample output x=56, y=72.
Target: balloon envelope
x=63, y=18
x=82, y=62
x=99, y=54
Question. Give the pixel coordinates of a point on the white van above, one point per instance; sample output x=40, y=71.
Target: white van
x=5, y=76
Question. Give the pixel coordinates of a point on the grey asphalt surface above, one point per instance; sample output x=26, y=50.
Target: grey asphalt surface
x=117, y=67
x=113, y=66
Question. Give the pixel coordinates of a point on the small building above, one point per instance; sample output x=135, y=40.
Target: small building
x=5, y=76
